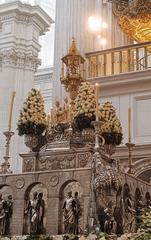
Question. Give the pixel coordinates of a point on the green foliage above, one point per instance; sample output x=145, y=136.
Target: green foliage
x=82, y=121
x=144, y=236
x=30, y=128
x=39, y=237
x=103, y=236
x=113, y=138
x=146, y=220
x=144, y=232
x=70, y=237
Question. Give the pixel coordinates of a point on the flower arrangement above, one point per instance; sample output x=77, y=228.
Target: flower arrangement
x=84, y=110
x=144, y=231
x=70, y=237
x=32, y=119
x=29, y=237
x=111, y=128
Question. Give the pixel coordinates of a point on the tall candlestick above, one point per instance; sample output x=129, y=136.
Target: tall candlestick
x=96, y=100
x=11, y=111
x=129, y=125
x=62, y=70
x=70, y=113
x=48, y=118
x=52, y=117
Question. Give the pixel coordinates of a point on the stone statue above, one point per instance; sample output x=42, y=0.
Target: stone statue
x=36, y=209
x=119, y=212
x=69, y=207
x=33, y=213
x=130, y=224
x=148, y=200
x=139, y=205
x=9, y=213
x=41, y=211
x=102, y=217
x=2, y=215
x=77, y=213
x=108, y=226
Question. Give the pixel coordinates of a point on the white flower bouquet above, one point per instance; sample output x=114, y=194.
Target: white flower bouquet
x=32, y=119
x=111, y=128
x=84, y=110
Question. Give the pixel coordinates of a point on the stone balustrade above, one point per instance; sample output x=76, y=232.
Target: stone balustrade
x=124, y=59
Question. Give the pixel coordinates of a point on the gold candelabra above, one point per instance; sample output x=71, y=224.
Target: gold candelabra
x=130, y=146
x=5, y=166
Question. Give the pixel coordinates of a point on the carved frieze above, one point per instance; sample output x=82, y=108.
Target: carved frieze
x=57, y=162
x=19, y=59
x=84, y=159
x=28, y=164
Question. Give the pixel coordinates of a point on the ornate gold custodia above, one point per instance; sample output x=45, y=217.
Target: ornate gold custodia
x=134, y=18
x=72, y=73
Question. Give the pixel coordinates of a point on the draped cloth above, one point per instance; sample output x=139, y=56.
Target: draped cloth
x=69, y=215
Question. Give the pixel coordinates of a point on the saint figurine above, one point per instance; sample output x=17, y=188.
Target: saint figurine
x=69, y=213
x=9, y=213
x=77, y=213
x=33, y=213
x=130, y=224
x=41, y=211
x=2, y=215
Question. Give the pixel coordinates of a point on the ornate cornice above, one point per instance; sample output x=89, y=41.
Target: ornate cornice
x=25, y=13
x=19, y=59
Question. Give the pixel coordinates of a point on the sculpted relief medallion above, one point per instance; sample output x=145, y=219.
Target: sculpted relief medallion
x=20, y=182
x=54, y=180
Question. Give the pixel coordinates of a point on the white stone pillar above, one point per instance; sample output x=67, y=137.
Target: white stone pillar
x=20, y=28
x=72, y=21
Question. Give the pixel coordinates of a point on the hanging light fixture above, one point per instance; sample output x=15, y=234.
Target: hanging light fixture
x=96, y=26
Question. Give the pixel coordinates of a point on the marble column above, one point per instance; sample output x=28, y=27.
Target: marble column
x=72, y=21
x=20, y=28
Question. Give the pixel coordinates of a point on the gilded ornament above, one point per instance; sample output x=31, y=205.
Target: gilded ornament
x=134, y=18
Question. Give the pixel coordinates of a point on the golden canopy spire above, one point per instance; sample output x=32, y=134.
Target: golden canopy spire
x=72, y=73
x=73, y=50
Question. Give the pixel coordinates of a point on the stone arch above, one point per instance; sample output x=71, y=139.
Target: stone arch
x=142, y=169
x=38, y=187
x=73, y=186
x=145, y=175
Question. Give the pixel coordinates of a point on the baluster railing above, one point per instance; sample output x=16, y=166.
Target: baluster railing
x=119, y=60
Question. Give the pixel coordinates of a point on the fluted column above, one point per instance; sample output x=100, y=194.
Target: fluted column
x=72, y=21
x=21, y=26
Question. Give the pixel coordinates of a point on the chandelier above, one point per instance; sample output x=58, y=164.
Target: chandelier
x=134, y=17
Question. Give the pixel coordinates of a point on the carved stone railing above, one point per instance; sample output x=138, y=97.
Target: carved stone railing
x=130, y=58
